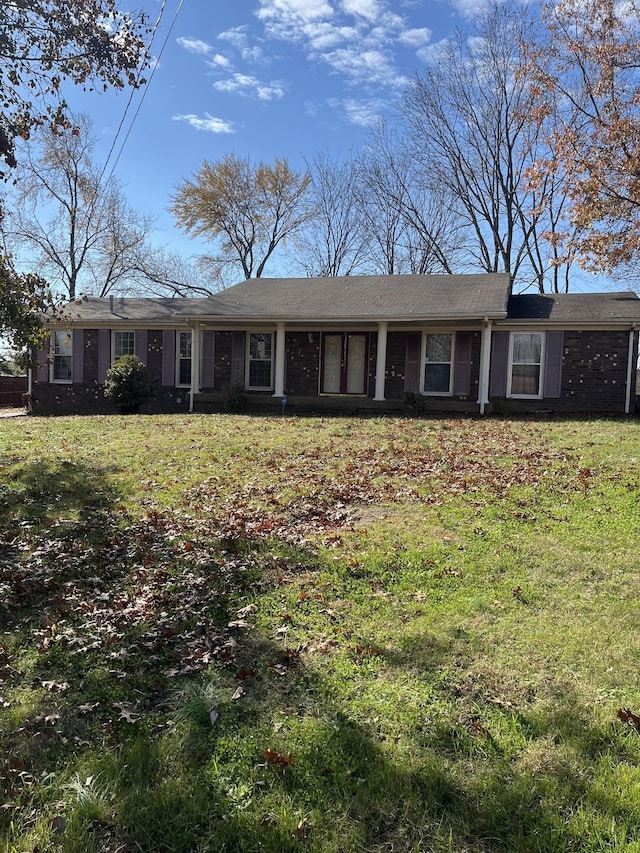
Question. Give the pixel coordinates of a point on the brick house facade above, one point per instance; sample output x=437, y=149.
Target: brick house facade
x=458, y=343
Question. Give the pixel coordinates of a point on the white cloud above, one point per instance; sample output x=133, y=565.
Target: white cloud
x=219, y=61
x=208, y=123
x=433, y=53
x=299, y=11
x=372, y=66
x=236, y=36
x=194, y=45
x=354, y=38
x=364, y=113
x=415, y=38
x=368, y=9
x=244, y=84
x=470, y=8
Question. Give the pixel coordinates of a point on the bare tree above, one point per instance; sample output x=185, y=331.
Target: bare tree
x=411, y=227
x=334, y=241
x=76, y=225
x=248, y=210
x=468, y=121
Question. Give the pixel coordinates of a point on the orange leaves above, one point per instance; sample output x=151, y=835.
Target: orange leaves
x=631, y=719
x=274, y=757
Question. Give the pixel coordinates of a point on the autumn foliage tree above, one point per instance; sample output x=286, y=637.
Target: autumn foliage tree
x=248, y=210
x=43, y=45
x=586, y=80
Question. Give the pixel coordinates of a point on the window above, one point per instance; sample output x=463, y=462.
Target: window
x=525, y=372
x=438, y=363
x=184, y=358
x=260, y=360
x=124, y=343
x=61, y=356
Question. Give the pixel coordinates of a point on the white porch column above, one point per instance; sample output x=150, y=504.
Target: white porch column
x=381, y=361
x=280, y=359
x=485, y=366
x=195, y=364
x=627, y=400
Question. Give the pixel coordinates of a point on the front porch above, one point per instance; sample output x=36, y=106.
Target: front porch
x=213, y=402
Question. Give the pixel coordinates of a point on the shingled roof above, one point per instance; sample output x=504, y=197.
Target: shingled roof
x=348, y=298
x=576, y=308
x=371, y=297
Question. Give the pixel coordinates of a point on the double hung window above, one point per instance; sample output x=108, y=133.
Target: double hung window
x=183, y=367
x=260, y=360
x=61, y=354
x=438, y=372
x=124, y=343
x=525, y=371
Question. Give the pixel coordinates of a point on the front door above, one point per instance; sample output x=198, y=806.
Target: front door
x=344, y=363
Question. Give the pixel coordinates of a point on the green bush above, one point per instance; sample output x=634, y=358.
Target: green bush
x=235, y=400
x=128, y=384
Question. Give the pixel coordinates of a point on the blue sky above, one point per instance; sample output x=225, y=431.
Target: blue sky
x=262, y=78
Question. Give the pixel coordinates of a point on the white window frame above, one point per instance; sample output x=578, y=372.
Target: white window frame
x=543, y=346
x=114, y=333
x=423, y=363
x=54, y=354
x=180, y=332
x=248, y=361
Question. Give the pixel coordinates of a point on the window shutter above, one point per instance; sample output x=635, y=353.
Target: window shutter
x=206, y=380
x=77, y=355
x=141, y=344
x=237, y=357
x=104, y=354
x=462, y=364
x=553, y=365
x=499, y=362
x=42, y=372
x=412, y=372
x=168, y=358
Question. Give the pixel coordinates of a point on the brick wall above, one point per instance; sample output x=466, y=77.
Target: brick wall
x=303, y=363
x=594, y=375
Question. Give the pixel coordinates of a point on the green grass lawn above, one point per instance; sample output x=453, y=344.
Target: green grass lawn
x=226, y=633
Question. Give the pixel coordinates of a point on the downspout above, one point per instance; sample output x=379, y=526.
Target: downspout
x=627, y=402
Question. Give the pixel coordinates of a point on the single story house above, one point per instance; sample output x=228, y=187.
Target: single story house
x=355, y=343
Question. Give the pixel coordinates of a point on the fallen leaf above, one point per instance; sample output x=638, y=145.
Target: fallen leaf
x=274, y=757
x=628, y=717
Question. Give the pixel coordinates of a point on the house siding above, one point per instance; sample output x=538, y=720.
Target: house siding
x=87, y=396
x=593, y=379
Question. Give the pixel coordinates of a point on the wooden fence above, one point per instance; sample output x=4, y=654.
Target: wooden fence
x=12, y=389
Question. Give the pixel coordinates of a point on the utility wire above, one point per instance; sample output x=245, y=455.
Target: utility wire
x=144, y=92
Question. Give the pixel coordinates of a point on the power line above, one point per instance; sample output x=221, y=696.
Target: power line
x=144, y=91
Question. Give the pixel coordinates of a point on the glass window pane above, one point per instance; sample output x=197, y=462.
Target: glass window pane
x=123, y=344
x=527, y=348
x=437, y=378
x=260, y=359
x=525, y=379
x=260, y=374
x=185, y=344
x=439, y=348
x=260, y=345
x=62, y=349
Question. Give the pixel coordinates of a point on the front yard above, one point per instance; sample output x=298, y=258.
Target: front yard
x=225, y=633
